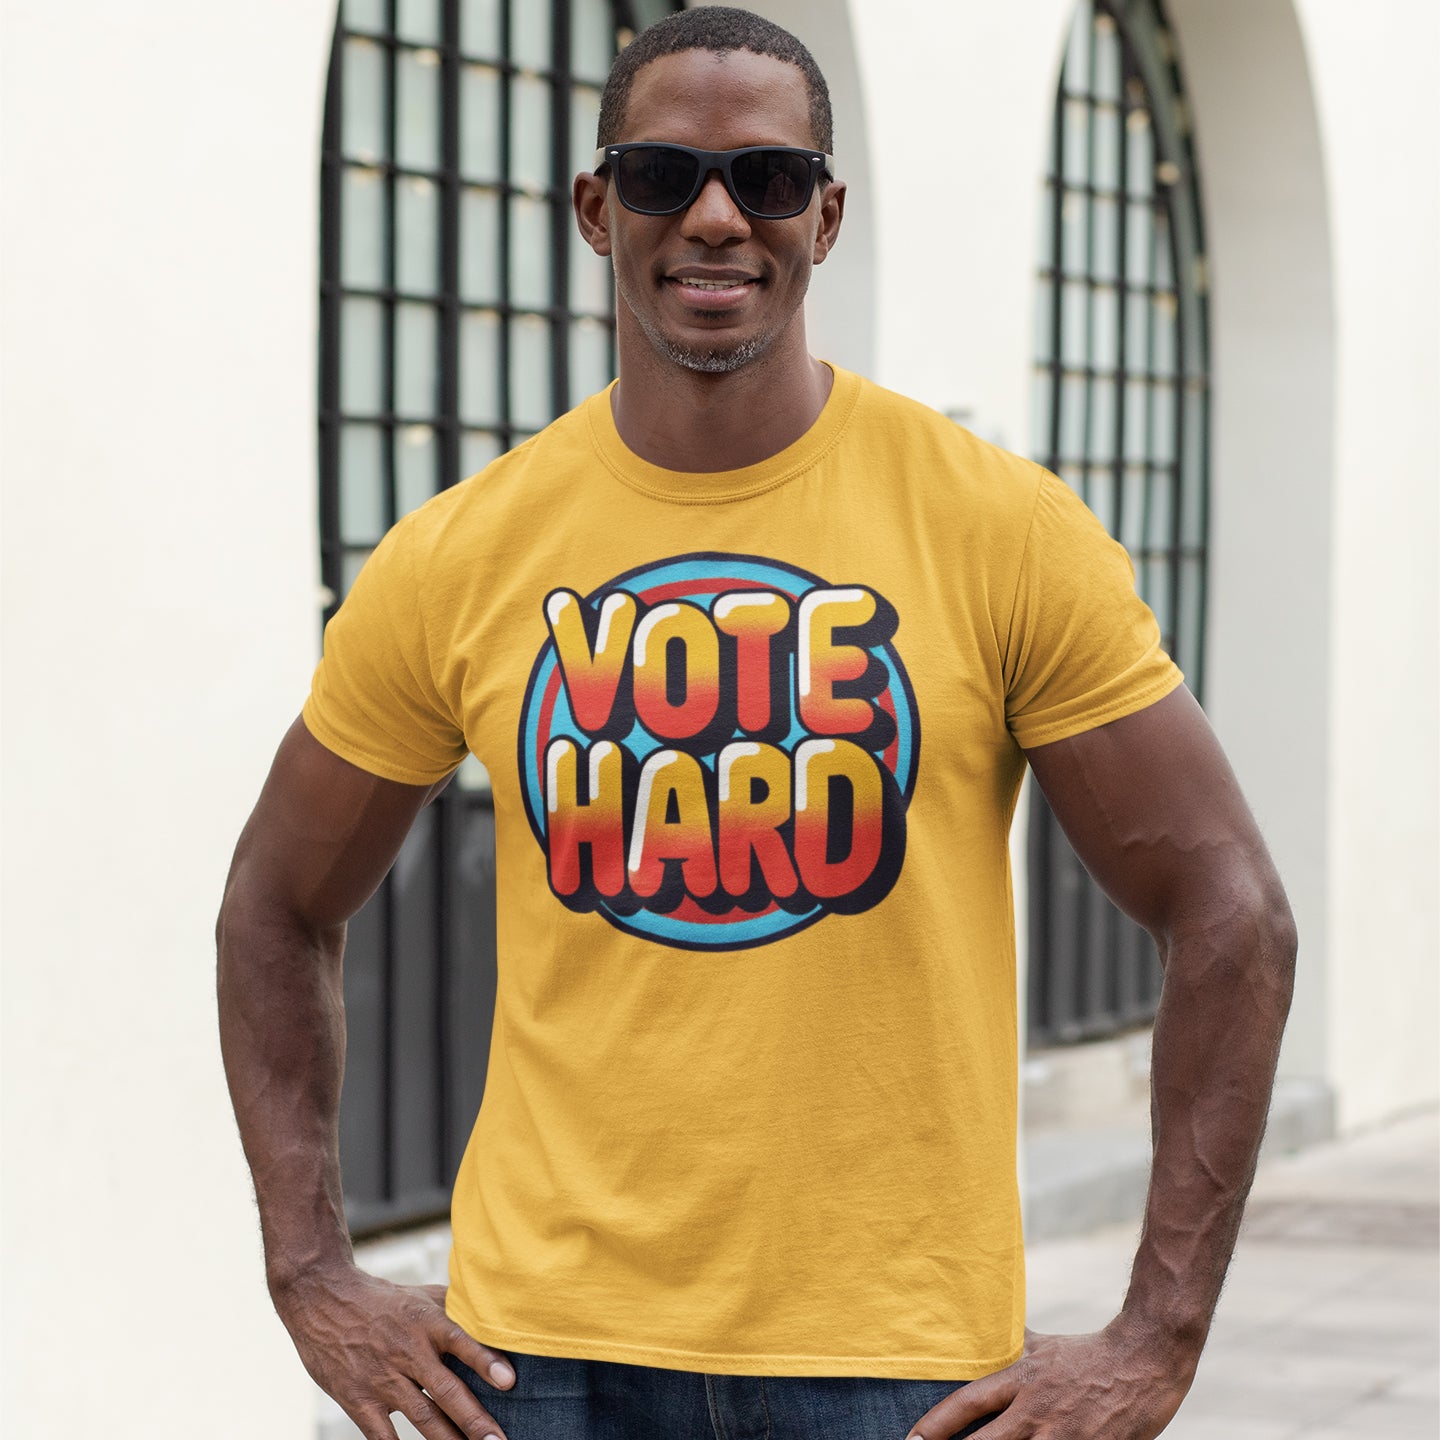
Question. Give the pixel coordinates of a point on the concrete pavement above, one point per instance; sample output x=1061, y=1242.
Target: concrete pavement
x=1329, y=1326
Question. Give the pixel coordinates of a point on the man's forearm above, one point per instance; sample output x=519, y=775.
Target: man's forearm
x=282, y=1032
x=319, y=842
x=1217, y=1037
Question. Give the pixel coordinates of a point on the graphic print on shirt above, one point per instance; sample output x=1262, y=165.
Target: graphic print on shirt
x=718, y=750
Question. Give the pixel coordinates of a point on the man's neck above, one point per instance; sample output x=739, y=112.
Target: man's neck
x=689, y=420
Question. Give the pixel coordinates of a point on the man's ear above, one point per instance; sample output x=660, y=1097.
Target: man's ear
x=832, y=212
x=592, y=215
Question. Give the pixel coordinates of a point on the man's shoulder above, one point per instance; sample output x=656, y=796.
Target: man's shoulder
x=512, y=486
x=946, y=456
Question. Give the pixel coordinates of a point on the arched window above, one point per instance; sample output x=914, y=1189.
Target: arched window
x=460, y=313
x=1122, y=414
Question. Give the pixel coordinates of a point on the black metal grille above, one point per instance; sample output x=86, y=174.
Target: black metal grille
x=460, y=313
x=1122, y=415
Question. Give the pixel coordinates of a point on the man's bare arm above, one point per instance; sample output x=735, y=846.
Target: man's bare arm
x=320, y=840
x=1153, y=810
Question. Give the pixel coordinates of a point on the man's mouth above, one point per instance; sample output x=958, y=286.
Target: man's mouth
x=712, y=292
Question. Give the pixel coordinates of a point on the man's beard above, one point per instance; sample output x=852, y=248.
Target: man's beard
x=716, y=361
x=710, y=362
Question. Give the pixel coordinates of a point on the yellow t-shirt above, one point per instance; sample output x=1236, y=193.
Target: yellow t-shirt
x=755, y=742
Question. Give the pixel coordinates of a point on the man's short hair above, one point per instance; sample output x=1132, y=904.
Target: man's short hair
x=717, y=28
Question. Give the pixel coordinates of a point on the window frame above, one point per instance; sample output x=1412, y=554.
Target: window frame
x=420, y=964
x=1093, y=972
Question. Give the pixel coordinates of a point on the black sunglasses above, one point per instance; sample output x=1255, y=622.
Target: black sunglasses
x=767, y=182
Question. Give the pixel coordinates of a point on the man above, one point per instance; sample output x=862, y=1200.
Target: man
x=755, y=653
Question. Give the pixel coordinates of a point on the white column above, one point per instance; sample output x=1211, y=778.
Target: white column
x=160, y=618
x=1376, y=70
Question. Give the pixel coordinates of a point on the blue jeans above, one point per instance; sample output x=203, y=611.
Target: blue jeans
x=600, y=1400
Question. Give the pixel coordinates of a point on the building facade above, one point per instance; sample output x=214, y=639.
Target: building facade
x=162, y=532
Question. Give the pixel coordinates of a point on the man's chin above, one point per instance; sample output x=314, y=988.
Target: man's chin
x=710, y=359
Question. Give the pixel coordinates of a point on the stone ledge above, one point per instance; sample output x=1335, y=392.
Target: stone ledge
x=1082, y=1176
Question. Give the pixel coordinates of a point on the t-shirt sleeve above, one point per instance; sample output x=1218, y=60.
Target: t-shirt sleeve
x=1083, y=648
x=373, y=699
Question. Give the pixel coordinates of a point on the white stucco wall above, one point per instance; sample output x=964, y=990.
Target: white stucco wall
x=1268, y=672
x=959, y=100
x=159, y=563
x=1376, y=69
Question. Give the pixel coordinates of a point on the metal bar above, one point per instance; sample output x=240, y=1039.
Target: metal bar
x=395, y=42
x=1091, y=919
x=1038, y=1017
x=560, y=207
x=502, y=188
x=389, y=986
x=1196, y=672
x=389, y=971
x=1097, y=956
x=369, y=1217
x=1176, y=479
x=1199, y=281
x=1057, y=309
x=1153, y=291
x=1088, y=402
x=1103, y=373
x=388, y=293
x=1089, y=187
x=447, y=428
x=331, y=180
x=448, y=460
x=449, y=812
x=1066, y=929
x=613, y=348
x=389, y=267
x=1122, y=262
x=1153, y=471
x=507, y=429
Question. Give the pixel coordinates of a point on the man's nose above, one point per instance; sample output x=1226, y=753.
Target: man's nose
x=713, y=217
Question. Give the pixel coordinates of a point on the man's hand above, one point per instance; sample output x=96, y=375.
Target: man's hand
x=1112, y=1385
x=379, y=1348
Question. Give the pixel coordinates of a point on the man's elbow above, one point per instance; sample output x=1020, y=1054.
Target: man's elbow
x=1279, y=945
x=1239, y=931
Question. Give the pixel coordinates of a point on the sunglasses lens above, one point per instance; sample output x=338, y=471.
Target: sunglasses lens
x=772, y=182
x=656, y=179
x=662, y=179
